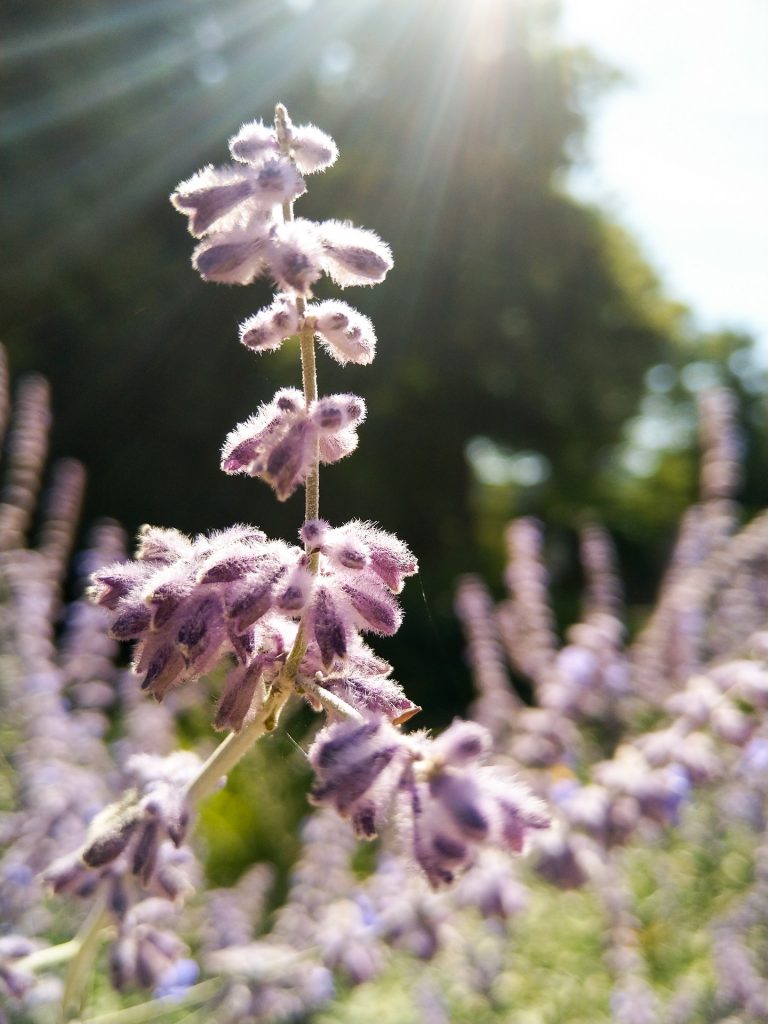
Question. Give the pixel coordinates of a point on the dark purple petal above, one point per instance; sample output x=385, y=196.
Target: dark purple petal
x=129, y=625
x=328, y=627
x=110, y=844
x=381, y=614
x=145, y=854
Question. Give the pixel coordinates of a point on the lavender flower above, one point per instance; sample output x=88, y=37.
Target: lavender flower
x=238, y=211
x=453, y=806
x=279, y=444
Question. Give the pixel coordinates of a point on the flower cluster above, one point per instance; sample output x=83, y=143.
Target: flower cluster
x=453, y=804
x=280, y=443
x=237, y=210
x=188, y=602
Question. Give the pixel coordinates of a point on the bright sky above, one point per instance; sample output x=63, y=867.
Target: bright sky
x=680, y=153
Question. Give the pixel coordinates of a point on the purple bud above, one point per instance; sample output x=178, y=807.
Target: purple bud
x=328, y=627
x=254, y=143
x=312, y=149
x=268, y=328
x=353, y=255
x=117, y=896
x=145, y=853
x=338, y=412
x=277, y=181
x=251, y=600
x=449, y=849
x=313, y=532
x=288, y=462
x=165, y=667
x=164, y=600
x=345, y=334
x=334, y=744
x=67, y=874
x=231, y=568
x=114, y=583
x=294, y=255
x=460, y=797
x=463, y=743
x=161, y=546
x=380, y=614
x=236, y=698
x=289, y=400
x=230, y=262
x=131, y=623
x=210, y=195
x=344, y=790
x=193, y=636
x=113, y=838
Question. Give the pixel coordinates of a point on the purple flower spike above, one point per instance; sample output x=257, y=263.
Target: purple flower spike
x=353, y=255
x=190, y=608
x=453, y=812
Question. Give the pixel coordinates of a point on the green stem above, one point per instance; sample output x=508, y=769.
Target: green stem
x=331, y=702
x=86, y=944
x=229, y=752
x=150, y=1011
x=48, y=957
x=309, y=380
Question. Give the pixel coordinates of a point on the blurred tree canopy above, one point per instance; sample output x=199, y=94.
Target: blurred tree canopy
x=514, y=313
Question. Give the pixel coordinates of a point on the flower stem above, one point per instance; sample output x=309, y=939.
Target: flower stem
x=331, y=702
x=86, y=944
x=230, y=750
x=309, y=380
x=152, y=1010
x=307, y=343
x=48, y=957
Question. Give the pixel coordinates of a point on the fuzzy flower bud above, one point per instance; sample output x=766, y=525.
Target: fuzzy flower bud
x=237, y=255
x=294, y=254
x=266, y=330
x=219, y=195
x=359, y=543
x=345, y=334
x=311, y=148
x=353, y=255
x=254, y=143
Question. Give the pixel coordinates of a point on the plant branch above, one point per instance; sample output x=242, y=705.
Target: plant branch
x=331, y=702
x=150, y=1011
x=307, y=344
x=86, y=944
x=230, y=750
